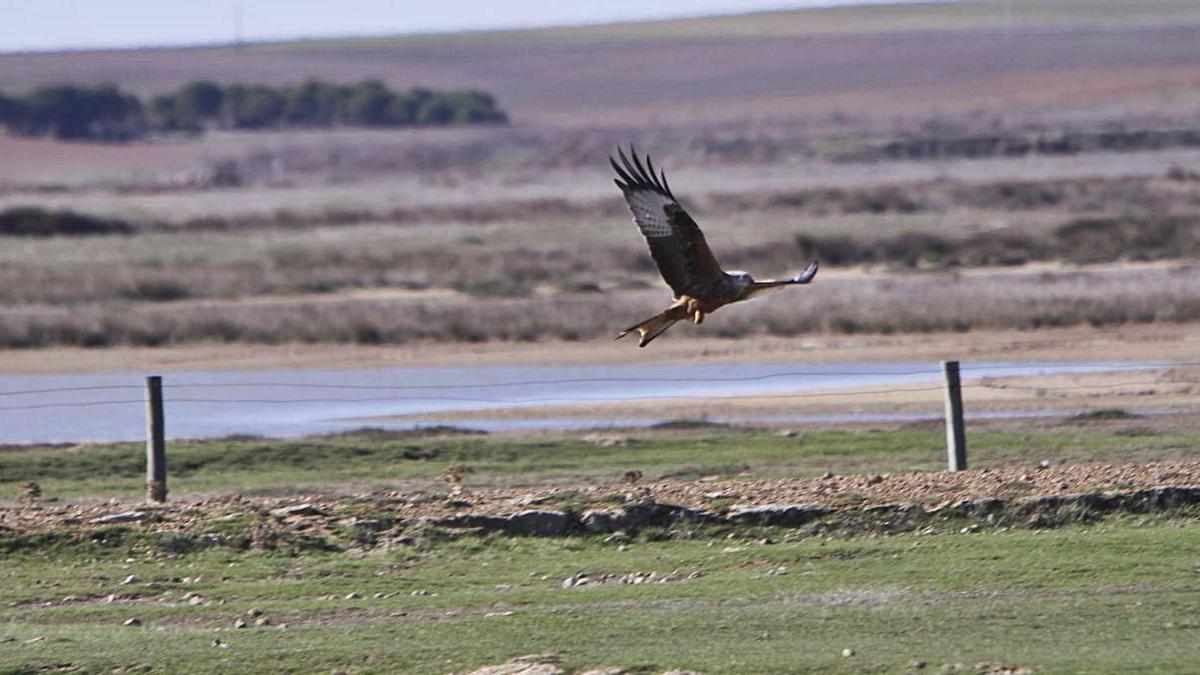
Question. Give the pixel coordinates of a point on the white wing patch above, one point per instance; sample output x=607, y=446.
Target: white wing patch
x=647, y=207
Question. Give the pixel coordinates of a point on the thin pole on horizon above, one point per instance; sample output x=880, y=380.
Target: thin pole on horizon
x=237, y=26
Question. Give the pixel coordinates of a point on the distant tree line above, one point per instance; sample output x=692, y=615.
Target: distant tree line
x=103, y=112
x=70, y=111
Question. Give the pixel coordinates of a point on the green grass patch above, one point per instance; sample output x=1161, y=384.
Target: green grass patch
x=1075, y=599
x=373, y=458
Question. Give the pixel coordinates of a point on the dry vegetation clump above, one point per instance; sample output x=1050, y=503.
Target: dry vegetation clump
x=510, y=289
x=482, y=213
x=1148, y=195
x=1071, y=195
x=532, y=257
x=33, y=283
x=887, y=304
x=1080, y=240
x=921, y=249
x=37, y=222
x=952, y=302
x=1182, y=174
x=362, y=322
x=163, y=292
x=456, y=474
x=467, y=154
x=1136, y=238
x=30, y=491
x=527, y=155
x=479, y=271
x=1017, y=144
x=840, y=138
x=1144, y=195
x=1158, y=219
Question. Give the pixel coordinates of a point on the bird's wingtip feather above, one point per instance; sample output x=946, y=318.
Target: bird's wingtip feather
x=635, y=174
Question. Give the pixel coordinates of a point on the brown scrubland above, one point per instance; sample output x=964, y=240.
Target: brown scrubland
x=981, y=177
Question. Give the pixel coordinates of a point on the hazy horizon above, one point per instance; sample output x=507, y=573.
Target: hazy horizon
x=59, y=25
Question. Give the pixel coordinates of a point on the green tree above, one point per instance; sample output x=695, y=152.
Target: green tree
x=103, y=112
x=370, y=104
x=71, y=112
x=437, y=109
x=314, y=103
x=406, y=106
x=8, y=108
x=475, y=107
x=199, y=100
x=164, y=115
x=253, y=107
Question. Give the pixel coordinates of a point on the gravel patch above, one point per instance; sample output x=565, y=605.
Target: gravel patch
x=618, y=507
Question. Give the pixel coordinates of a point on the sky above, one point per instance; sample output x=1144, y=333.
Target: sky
x=82, y=24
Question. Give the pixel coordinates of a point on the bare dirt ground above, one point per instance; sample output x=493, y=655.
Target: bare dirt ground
x=317, y=512
x=1139, y=342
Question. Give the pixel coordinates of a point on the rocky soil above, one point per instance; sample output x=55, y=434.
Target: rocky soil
x=614, y=507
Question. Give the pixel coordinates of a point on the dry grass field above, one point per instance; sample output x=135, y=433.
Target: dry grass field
x=953, y=172
x=778, y=65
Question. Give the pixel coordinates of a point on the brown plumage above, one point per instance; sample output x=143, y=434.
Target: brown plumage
x=679, y=250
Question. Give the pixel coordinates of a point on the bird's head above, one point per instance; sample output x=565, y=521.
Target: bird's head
x=738, y=283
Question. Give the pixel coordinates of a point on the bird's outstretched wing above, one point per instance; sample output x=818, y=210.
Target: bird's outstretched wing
x=759, y=287
x=676, y=243
x=802, y=278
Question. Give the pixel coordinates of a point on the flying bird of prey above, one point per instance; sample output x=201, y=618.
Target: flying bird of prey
x=682, y=255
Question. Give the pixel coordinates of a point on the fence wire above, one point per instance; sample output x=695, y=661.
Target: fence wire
x=549, y=400
x=966, y=372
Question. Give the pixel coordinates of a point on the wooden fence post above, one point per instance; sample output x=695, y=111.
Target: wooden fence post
x=156, y=452
x=956, y=433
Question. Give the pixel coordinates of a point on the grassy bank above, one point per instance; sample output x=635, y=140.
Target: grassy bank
x=381, y=459
x=364, y=584
x=1113, y=597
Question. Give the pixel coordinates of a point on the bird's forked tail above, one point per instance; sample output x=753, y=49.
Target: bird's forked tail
x=655, y=325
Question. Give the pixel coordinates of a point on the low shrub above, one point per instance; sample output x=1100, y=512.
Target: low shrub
x=37, y=222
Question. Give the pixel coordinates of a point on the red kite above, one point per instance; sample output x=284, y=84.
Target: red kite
x=682, y=255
